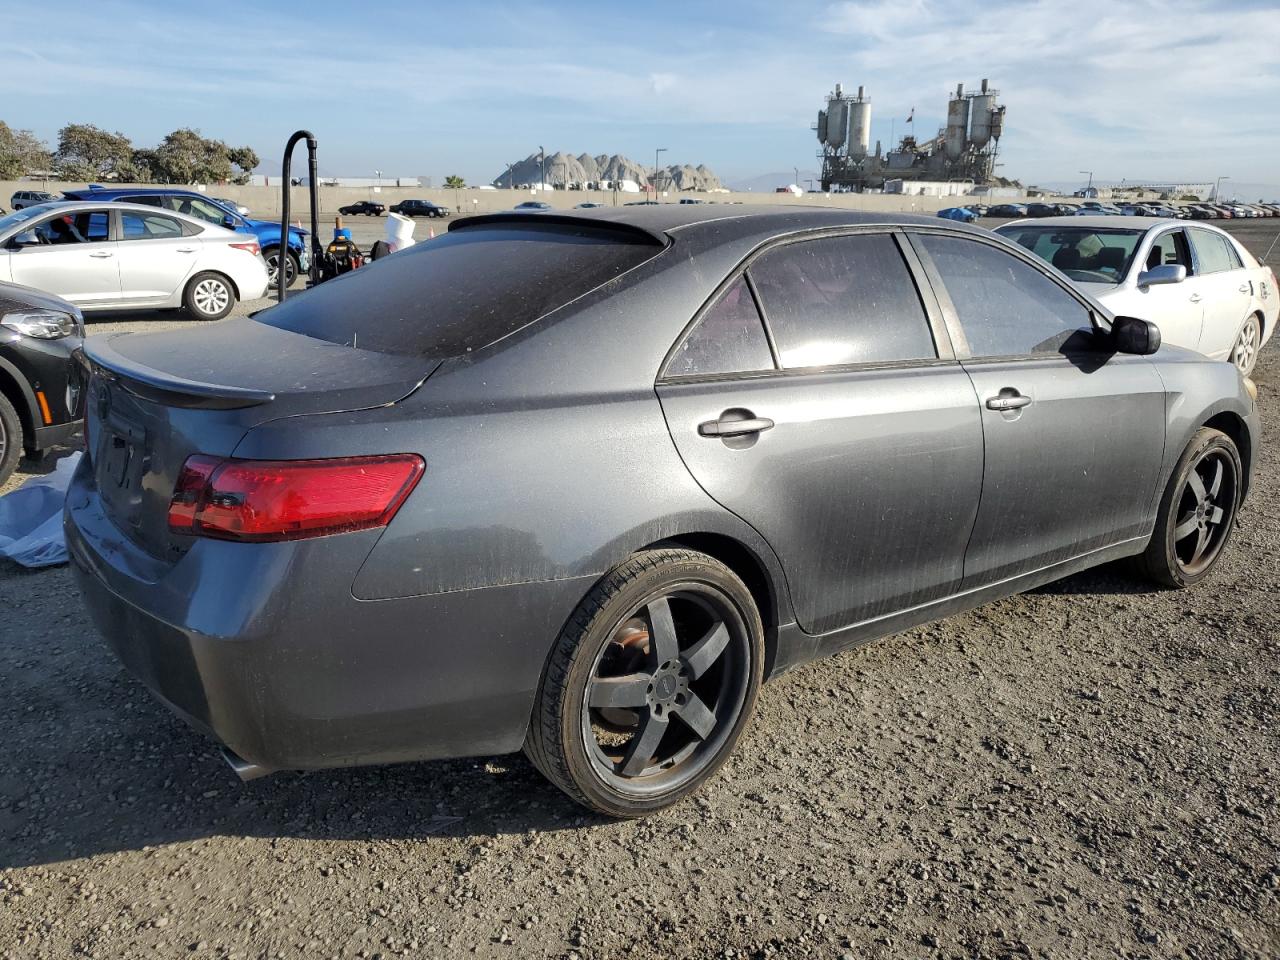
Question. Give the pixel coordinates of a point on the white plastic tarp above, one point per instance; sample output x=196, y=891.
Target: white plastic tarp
x=31, y=518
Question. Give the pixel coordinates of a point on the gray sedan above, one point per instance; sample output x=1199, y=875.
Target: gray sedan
x=579, y=483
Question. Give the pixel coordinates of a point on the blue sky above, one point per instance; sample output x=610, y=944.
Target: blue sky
x=1133, y=90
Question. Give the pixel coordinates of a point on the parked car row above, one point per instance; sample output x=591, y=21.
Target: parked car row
x=1099, y=208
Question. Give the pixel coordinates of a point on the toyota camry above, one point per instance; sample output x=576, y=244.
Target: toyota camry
x=579, y=483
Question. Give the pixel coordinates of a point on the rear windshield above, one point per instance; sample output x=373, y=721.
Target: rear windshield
x=464, y=290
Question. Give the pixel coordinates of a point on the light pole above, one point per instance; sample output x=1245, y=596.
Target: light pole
x=797, y=179
x=1216, y=187
x=656, y=152
x=510, y=177
x=542, y=161
x=1090, y=186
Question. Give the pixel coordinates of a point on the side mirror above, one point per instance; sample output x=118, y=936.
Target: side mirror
x=1131, y=335
x=229, y=222
x=27, y=238
x=1165, y=273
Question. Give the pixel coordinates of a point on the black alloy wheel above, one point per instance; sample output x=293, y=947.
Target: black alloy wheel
x=650, y=684
x=1197, y=512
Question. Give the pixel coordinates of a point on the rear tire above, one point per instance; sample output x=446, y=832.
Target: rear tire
x=650, y=684
x=10, y=439
x=1244, y=352
x=209, y=296
x=1197, y=512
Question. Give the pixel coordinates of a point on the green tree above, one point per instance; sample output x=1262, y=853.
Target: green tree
x=86, y=152
x=21, y=152
x=246, y=159
x=455, y=182
x=184, y=156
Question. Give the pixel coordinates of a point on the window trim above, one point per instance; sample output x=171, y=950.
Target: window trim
x=118, y=224
x=934, y=316
x=1099, y=321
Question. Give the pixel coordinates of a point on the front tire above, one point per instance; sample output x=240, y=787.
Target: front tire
x=650, y=684
x=209, y=296
x=292, y=267
x=1197, y=512
x=10, y=438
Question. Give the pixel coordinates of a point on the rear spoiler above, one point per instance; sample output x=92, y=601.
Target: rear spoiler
x=152, y=384
x=630, y=231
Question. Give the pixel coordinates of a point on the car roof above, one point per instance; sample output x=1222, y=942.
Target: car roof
x=71, y=206
x=1136, y=224
x=727, y=221
x=136, y=191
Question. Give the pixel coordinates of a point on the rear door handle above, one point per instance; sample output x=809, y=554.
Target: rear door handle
x=734, y=428
x=101, y=254
x=1008, y=401
x=1195, y=298
x=186, y=249
x=1246, y=288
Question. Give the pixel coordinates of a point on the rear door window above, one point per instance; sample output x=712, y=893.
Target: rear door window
x=144, y=226
x=1214, y=253
x=842, y=300
x=729, y=338
x=1006, y=307
x=464, y=290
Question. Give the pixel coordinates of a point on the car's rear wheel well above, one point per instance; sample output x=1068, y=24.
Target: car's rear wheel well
x=26, y=416
x=749, y=569
x=1234, y=427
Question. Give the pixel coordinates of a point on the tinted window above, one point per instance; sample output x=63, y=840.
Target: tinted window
x=146, y=199
x=842, y=300
x=142, y=226
x=199, y=208
x=1214, y=252
x=464, y=290
x=1006, y=307
x=728, y=339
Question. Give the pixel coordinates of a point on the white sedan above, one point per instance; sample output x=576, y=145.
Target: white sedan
x=1196, y=282
x=112, y=256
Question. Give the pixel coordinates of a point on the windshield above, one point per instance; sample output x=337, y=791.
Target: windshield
x=462, y=291
x=1085, y=254
x=11, y=220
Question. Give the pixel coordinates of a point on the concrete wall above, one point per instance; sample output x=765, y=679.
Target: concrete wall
x=265, y=201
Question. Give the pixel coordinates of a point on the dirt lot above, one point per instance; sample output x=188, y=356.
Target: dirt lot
x=1088, y=770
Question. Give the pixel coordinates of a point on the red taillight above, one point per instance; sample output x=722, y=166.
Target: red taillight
x=289, y=499
x=251, y=247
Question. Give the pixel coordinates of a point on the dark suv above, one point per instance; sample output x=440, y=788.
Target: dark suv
x=41, y=395
x=419, y=208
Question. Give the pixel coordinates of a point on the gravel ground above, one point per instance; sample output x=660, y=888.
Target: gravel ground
x=1088, y=770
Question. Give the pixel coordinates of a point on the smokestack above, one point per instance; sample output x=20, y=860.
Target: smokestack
x=959, y=91
x=984, y=84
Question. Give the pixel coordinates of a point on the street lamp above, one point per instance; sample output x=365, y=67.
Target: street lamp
x=796, y=181
x=1216, y=187
x=1090, y=186
x=542, y=160
x=655, y=170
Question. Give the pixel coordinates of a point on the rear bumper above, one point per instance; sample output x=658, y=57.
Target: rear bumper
x=264, y=648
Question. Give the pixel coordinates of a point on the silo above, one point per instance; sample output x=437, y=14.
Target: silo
x=957, y=124
x=837, y=120
x=822, y=126
x=980, y=116
x=859, y=126
x=997, y=122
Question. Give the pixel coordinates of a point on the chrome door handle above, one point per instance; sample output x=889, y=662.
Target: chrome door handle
x=1014, y=401
x=1195, y=298
x=1245, y=288
x=186, y=249
x=734, y=428
x=101, y=254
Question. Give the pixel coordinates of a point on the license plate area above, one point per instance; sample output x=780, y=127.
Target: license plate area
x=121, y=455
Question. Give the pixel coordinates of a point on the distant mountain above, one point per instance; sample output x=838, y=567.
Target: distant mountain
x=584, y=168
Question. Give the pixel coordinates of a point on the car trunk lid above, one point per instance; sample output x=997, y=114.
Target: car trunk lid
x=156, y=399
